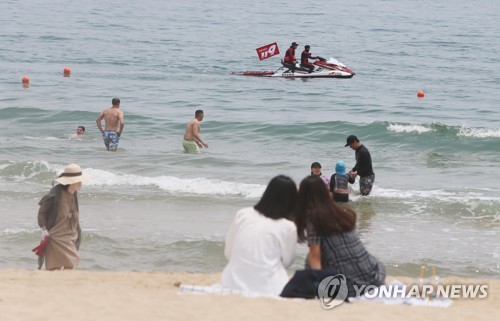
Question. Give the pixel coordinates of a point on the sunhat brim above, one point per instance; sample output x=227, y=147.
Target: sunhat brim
x=67, y=180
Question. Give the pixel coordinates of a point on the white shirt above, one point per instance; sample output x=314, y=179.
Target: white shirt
x=258, y=249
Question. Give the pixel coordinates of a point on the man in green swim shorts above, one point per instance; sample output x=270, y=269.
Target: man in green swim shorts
x=192, y=139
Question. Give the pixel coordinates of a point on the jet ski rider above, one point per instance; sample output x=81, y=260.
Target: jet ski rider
x=304, y=59
x=290, y=60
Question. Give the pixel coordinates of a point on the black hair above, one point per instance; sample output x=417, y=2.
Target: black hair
x=279, y=198
x=198, y=112
x=115, y=101
x=316, y=207
x=315, y=164
x=82, y=127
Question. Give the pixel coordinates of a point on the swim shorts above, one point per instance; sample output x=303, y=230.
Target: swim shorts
x=341, y=197
x=190, y=146
x=111, y=139
x=366, y=184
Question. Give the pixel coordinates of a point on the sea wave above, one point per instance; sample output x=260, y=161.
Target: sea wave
x=43, y=171
x=407, y=128
x=445, y=196
x=309, y=130
x=478, y=132
x=172, y=184
x=46, y=116
x=458, y=131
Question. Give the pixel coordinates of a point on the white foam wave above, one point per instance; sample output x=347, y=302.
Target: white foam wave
x=42, y=138
x=16, y=230
x=441, y=195
x=400, y=128
x=200, y=186
x=30, y=169
x=478, y=132
x=171, y=184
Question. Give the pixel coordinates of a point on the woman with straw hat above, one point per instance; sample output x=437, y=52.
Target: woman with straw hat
x=58, y=217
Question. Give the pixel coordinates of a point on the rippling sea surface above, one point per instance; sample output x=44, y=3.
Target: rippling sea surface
x=150, y=206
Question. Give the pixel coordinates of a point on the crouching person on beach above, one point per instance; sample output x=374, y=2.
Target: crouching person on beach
x=261, y=241
x=334, y=245
x=58, y=217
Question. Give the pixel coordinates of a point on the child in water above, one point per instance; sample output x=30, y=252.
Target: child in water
x=316, y=170
x=339, y=183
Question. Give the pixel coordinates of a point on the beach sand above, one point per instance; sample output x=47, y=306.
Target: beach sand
x=90, y=295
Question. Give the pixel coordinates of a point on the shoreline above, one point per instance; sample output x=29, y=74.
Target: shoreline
x=102, y=295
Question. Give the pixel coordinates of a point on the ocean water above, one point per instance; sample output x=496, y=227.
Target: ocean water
x=150, y=206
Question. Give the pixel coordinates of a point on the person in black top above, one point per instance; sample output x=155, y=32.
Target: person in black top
x=363, y=166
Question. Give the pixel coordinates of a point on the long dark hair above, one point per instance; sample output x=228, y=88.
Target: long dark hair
x=316, y=207
x=279, y=198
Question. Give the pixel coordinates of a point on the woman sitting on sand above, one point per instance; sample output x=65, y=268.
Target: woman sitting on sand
x=333, y=241
x=261, y=241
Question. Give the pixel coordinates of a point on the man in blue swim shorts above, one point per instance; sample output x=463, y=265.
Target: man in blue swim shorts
x=111, y=140
x=114, y=119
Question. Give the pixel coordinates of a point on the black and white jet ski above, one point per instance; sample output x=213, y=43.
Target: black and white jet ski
x=331, y=68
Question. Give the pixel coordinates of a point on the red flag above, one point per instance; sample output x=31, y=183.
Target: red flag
x=267, y=51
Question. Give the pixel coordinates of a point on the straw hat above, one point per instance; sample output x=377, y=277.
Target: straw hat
x=72, y=174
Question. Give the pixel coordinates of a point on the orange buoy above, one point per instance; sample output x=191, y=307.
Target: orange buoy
x=420, y=94
x=67, y=72
x=26, y=80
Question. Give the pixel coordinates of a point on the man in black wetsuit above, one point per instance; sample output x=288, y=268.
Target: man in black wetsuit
x=363, y=166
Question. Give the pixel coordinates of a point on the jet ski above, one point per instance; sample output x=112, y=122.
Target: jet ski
x=323, y=68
